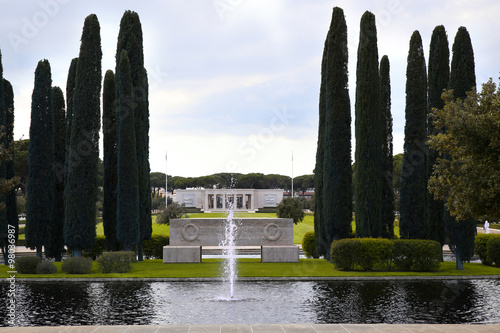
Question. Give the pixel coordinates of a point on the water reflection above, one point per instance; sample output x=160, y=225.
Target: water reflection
x=127, y=303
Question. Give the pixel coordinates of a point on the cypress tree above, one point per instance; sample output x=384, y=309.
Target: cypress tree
x=130, y=39
x=414, y=169
x=461, y=234
x=437, y=82
x=321, y=243
x=369, y=134
x=337, y=170
x=127, y=214
x=3, y=215
x=40, y=191
x=70, y=92
x=55, y=241
x=81, y=187
x=11, y=197
x=110, y=160
x=387, y=148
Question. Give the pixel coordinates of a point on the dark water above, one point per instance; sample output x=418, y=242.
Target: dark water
x=127, y=303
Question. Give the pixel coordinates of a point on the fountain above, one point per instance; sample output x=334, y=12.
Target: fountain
x=229, y=253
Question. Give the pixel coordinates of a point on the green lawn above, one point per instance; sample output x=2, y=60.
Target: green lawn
x=254, y=268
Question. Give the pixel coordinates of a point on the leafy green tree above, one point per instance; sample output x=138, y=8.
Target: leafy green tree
x=81, y=187
x=41, y=161
x=157, y=181
x=337, y=173
x=461, y=234
x=414, y=178
x=173, y=211
x=251, y=180
x=437, y=82
x=55, y=241
x=289, y=208
x=110, y=160
x=130, y=39
x=127, y=191
x=10, y=175
x=387, y=158
x=369, y=131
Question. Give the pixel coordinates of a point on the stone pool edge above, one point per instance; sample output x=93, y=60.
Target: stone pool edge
x=265, y=278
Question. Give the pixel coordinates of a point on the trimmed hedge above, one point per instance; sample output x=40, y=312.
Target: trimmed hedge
x=309, y=245
x=46, y=267
x=116, y=262
x=481, y=248
x=27, y=265
x=153, y=248
x=77, y=265
x=386, y=254
x=493, y=249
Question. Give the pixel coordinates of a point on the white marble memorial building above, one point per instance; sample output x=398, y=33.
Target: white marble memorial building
x=209, y=200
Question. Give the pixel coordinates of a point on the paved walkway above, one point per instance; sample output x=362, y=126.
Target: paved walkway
x=273, y=328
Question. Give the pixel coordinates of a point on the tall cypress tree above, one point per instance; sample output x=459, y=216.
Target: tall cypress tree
x=321, y=243
x=81, y=187
x=130, y=39
x=55, y=241
x=414, y=169
x=70, y=92
x=437, y=82
x=127, y=214
x=461, y=234
x=3, y=215
x=110, y=160
x=369, y=133
x=40, y=189
x=387, y=164
x=337, y=170
x=11, y=197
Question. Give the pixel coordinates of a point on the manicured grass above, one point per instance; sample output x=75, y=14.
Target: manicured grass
x=254, y=268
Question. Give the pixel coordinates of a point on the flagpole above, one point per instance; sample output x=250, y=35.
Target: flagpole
x=166, y=181
x=292, y=173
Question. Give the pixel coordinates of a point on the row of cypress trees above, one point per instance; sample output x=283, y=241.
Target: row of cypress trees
x=8, y=208
x=420, y=215
x=64, y=152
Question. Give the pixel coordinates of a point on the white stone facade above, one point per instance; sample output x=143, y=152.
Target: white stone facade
x=210, y=200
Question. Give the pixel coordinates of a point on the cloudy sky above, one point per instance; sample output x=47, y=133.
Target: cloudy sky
x=234, y=84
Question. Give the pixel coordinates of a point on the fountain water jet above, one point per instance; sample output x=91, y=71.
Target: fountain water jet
x=229, y=252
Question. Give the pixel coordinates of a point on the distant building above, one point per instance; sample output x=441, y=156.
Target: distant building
x=212, y=200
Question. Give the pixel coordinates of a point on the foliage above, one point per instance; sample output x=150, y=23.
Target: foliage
x=116, y=262
x=413, y=193
x=387, y=151
x=153, y=248
x=46, y=267
x=309, y=245
x=481, y=247
x=336, y=214
x=110, y=160
x=369, y=131
x=173, y=211
x=437, y=81
x=383, y=254
x=289, y=208
x=77, y=265
x=41, y=160
x=27, y=265
x=493, y=250
x=99, y=247
x=81, y=186
x=55, y=241
x=127, y=190
x=158, y=203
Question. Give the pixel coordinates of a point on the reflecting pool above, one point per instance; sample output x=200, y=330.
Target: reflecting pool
x=138, y=302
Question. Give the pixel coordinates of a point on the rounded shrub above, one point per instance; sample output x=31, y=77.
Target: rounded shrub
x=417, y=255
x=116, y=262
x=493, y=249
x=27, y=265
x=309, y=245
x=77, y=265
x=46, y=267
x=153, y=248
x=481, y=246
